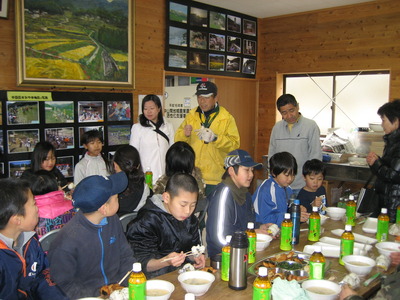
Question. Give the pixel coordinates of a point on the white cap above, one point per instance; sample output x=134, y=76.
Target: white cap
x=137, y=267
x=351, y=197
x=262, y=271
x=190, y=296
x=384, y=210
x=287, y=215
x=228, y=239
x=317, y=248
x=250, y=225
x=315, y=208
x=347, y=227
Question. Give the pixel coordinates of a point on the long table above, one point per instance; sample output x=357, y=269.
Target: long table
x=220, y=289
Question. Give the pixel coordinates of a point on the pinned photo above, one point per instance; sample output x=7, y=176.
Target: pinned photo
x=217, y=20
x=233, y=63
x=22, y=112
x=249, y=27
x=118, y=111
x=177, y=36
x=216, y=62
x=178, y=12
x=249, y=66
x=198, y=39
x=59, y=112
x=234, y=44
x=198, y=17
x=16, y=168
x=23, y=140
x=177, y=58
x=198, y=60
x=216, y=42
x=119, y=134
x=60, y=138
x=249, y=47
x=66, y=165
x=90, y=111
x=234, y=23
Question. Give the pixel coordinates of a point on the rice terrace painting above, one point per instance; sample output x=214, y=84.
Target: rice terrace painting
x=75, y=42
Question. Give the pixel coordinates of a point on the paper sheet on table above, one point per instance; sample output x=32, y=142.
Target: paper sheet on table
x=358, y=237
x=287, y=290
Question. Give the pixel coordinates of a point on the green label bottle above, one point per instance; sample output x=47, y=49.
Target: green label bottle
x=398, y=215
x=137, y=283
x=252, y=237
x=383, y=226
x=286, y=233
x=346, y=243
x=226, y=259
x=262, y=285
x=314, y=228
x=317, y=264
x=351, y=207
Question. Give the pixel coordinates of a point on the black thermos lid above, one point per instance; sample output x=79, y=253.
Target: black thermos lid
x=239, y=240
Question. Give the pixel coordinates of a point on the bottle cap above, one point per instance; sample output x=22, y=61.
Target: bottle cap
x=228, y=239
x=190, y=296
x=384, y=210
x=351, y=197
x=287, y=216
x=262, y=271
x=347, y=227
x=250, y=225
x=137, y=267
x=315, y=208
x=296, y=201
x=317, y=249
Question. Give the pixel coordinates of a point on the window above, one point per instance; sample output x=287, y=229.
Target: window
x=346, y=100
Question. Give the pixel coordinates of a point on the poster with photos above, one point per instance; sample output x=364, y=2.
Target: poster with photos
x=197, y=34
x=22, y=140
x=178, y=12
x=22, y=112
x=90, y=111
x=61, y=138
x=59, y=112
x=118, y=111
x=16, y=168
x=82, y=130
x=66, y=165
x=119, y=134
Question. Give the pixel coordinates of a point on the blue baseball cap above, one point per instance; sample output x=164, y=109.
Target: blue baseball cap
x=241, y=158
x=93, y=191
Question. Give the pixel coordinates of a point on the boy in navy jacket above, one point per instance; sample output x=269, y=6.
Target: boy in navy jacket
x=24, y=272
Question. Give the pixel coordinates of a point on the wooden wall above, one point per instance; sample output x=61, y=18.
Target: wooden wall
x=357, y=37
x=239, y=96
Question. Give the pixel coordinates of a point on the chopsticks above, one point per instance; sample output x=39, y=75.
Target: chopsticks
x=126, y=275
x=372, y=278
x=186, y=254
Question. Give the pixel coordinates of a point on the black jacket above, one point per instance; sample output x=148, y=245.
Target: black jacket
x=387, y=171
x=30, y=174
x=155, y=233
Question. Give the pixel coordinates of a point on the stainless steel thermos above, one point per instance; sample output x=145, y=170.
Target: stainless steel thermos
x=238, y=261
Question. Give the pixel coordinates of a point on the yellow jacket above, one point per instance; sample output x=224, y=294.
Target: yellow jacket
x=210, y=157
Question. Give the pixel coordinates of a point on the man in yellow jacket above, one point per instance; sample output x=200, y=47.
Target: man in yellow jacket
x=211, y=131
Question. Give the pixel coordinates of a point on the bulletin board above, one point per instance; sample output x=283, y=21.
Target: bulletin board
x=207, y=39
x=61, y=118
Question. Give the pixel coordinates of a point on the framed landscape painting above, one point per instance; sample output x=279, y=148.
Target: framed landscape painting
x=75, y=43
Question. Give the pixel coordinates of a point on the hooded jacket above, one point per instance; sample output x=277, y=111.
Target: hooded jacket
x=85, y=256
x=25, y=274
x=155, y=233
x=387, y=171
x=54, y=211
x=210, y=157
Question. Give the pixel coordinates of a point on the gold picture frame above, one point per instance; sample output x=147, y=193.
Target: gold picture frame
x=85, y=44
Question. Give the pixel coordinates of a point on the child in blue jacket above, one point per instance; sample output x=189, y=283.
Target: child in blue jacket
x=24, y=272
x=271, y=198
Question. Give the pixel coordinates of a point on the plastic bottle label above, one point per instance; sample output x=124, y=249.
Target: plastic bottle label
x=286, y=238
x=351, y=215
x=383, y=231
x=149, y=179
x=137, y=291
x=261, y=294
x=398, y=216
x=346, y=248
x=317, y=270
x=314, y=230
x=225, y=261
x=252, y=249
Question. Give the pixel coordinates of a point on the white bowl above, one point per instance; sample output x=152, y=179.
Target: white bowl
x=377, y=127
x=166, y=286
x=196, y=289
x=263, y=241
x=385, y=248
x=310, y=285
x=358, y=264
x=335, y=213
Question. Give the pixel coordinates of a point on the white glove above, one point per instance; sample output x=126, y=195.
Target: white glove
x=208, y=135
x=200, y=132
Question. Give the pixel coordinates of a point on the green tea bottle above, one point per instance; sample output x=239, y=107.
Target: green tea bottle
x=262, y=286
x=137, y=283
x=314, y=227
x=286, y=233
x=398, y=215
x=351, y=207
x=346, y=243
x=226, y=258
x=317, y=264
x=252, y=237
x=382, y=232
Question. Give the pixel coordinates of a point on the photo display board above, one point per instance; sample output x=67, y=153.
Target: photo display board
x=207, y=39
x=60, y=118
